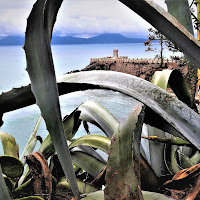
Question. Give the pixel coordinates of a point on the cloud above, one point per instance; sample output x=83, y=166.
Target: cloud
x=76, y=17
x=98, y=16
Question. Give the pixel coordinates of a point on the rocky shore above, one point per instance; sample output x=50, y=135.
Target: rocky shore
x=143, y=70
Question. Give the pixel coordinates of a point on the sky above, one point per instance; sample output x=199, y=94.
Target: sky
x=81, y=18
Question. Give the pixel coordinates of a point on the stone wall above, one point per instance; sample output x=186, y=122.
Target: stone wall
x=143, y=70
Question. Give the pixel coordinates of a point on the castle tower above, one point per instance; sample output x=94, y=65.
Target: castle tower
x=115, y=53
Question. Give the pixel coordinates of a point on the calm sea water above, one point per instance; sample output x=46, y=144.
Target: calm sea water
x=20, y=123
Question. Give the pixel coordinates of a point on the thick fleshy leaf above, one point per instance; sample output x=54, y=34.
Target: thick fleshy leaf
x=96, y=114
x=156, y=156
x=154, y=196
x=4, y=194
x=97, y=141
x=84, y=188
x=11, y=166
x=146, y=195
x=10, y=147
x=181, y=119
x=177, y=83
x=40, y=68
x=87, y=162
x=31, y=142
x=30, y=198
x=167, y=25
x=123, y=171
x=89, y=111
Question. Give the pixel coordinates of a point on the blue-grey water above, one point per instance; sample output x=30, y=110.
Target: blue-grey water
x=20, y=123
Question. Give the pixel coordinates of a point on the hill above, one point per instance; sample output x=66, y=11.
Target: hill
x=108, y=38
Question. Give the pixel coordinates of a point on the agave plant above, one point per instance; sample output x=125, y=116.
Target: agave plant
x=172, y=115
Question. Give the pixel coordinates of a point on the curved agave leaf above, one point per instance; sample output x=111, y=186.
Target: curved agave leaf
x=123, y=173
x=177, y=114
x=31, y=198
x=96, y=114
x=156, y=155
x=89, y=111
x=4, y=194
x=84, y=188
x=87, y=162
x=97, y=141
x=31, y=142
x=196, y=157
x=40, y=68
x=9, y=183
x=94, y=195
x=177, y=83
x=10, y=147
x=167, y=25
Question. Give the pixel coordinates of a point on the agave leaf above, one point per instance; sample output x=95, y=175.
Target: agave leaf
x=30, y=198
x=94, y=196
x=31, y=142
x=181, y=11
x=146, y=195
x=156, y=156
x=185, y=161
x=172, y=140
x=174, y=159
x=149, y=180
x=167, y=25
x=89, y=111
x=40, y=68
x=84, y=188
x=71, y=124
x=25, y=189
x=123, y=173
x=10, y=147
x=97, y=141
x=184, y=120
x=177, y=83
x=196, y=157
x=9, y=183
x=87, y=162
x=4, y=194
x=154, y=196
x=96, y=114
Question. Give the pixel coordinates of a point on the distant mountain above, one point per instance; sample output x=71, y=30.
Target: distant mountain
x=12, y=40
x=107, y=38
x=1, y=37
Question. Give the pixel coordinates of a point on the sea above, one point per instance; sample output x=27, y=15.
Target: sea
x=20, y=123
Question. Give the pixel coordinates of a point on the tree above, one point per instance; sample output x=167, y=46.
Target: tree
x=156, y=35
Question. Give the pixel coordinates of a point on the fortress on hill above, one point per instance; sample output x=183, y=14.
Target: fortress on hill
x=140, y=67
x=125, y=59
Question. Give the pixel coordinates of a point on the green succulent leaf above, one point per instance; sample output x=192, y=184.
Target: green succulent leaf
x=4, y=194
x=175, y=80
x=30, y=198
x=11, y=166
x=122, y=173
x=84, y=188
x=40, y=68
x=31, y=142
x=97, y=141
x=9, y=144
x=87, y=162
x=181, y=120
x=96, y=114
